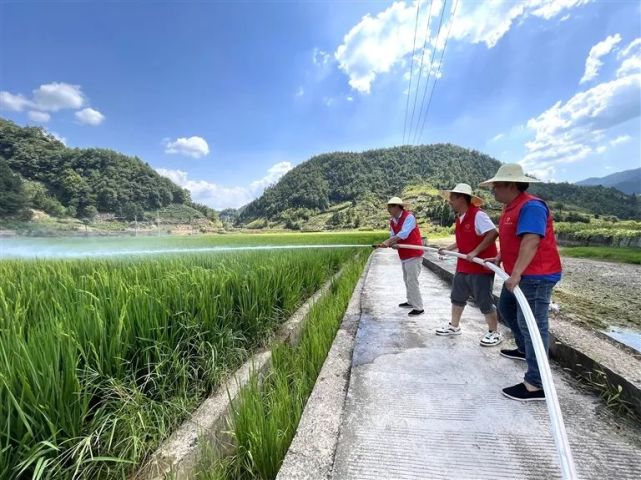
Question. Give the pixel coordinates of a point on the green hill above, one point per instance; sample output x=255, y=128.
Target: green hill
x=39, y=172
x=348, y=190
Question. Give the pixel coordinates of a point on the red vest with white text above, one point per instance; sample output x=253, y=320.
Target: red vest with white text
x=467, y=240
x=546, y=261
x=414, y=238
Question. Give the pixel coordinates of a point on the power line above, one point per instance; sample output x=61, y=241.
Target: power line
x=409, y=89
x=429, y=73
x=420, y=73
x=440, y=64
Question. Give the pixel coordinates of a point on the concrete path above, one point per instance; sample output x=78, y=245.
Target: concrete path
x=421, y=406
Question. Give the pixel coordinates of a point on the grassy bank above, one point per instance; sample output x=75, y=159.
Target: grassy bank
x=266, y=416
x=101, y=359
x=610, y=254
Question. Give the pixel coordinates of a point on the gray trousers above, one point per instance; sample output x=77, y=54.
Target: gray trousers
x=411, y=270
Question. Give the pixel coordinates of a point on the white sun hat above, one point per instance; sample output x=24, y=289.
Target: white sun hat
x=510, y=172
x=464, y=189
x=397, y=201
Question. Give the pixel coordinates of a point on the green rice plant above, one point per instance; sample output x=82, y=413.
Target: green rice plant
x=101, y=359
x=266, y=415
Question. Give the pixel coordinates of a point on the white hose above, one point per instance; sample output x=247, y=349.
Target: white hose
x=554, y=409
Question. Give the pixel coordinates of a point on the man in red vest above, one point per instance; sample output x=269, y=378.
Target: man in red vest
x=475, y=236
x=531, y=258
x=404, y=231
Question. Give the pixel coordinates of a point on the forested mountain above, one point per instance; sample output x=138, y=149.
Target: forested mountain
x=355, y=183
x=333, y=190
x=628, y=181
x=40, y=172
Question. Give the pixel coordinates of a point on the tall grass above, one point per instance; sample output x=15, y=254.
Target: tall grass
x=612, y=254
x=101, y=359
x=266, y=415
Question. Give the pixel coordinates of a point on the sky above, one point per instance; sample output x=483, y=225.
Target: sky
x=225, y=97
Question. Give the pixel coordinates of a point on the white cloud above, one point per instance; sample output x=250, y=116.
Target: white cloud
x=300, y=92
x=58, y=96
x=328, y=101
x=488, y=22
x=577, y=128
x=195, y=147
x=377, y=44
x=593, y=63
x=631, y=56
x=41, y=117
x=208, y=193
x=630, y=48
x=14, y=103
x=497, y=137
x=52, y=97
x=218, y=196
x=274, y=173
x=89, y=116
x=620, y=139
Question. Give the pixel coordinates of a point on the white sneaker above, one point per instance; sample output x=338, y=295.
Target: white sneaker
x=491, y=339
x=448, y=330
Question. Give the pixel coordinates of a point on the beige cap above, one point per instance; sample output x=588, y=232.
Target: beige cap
x=510, y=172
x=465, y=189
x=397, y=201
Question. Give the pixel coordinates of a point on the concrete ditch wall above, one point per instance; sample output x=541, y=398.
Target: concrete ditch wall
x=178, y=456
x=311, y=453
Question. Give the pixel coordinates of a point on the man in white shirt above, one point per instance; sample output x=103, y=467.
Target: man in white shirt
x=476, y=237
x=404, y=231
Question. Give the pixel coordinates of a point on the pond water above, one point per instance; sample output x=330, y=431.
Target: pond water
x=629, y=337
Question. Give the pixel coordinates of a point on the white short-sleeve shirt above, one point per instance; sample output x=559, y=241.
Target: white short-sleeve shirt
x=482, y=223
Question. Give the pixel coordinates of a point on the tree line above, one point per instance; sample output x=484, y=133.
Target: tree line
x=37, y=171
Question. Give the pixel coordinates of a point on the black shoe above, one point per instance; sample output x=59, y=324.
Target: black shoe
x=519, y=392
x=513, y=354
x=415, y=312
x=405, y=305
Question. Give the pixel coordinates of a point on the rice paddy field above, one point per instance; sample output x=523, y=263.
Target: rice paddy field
x=107, y=346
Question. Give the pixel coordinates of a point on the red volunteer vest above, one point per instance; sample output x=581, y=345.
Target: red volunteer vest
x=467, y=240
x=546, y=261
x=414, y=238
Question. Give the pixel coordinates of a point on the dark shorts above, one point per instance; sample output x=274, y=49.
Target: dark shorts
x=476, y=285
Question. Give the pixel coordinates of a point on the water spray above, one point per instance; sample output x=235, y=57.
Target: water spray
x=19, y=252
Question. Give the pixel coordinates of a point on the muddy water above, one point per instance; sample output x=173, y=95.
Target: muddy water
x=629, y=337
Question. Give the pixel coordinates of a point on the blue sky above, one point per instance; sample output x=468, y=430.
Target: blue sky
x=225, y=97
